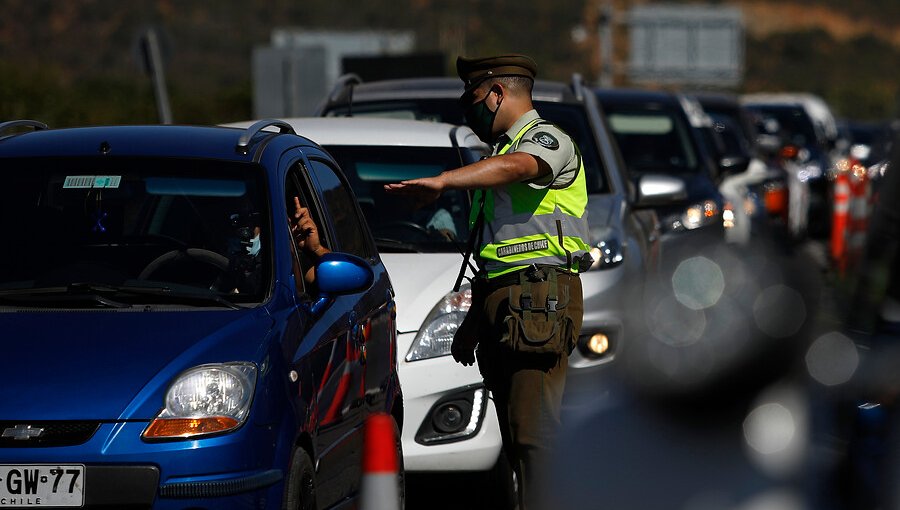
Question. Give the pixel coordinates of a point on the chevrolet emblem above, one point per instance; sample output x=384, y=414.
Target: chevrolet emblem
x=22, y=432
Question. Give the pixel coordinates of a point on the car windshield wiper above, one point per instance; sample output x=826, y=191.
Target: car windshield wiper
x=393, y=245
x=100, y=292
x=182, y=293
x=75, y=292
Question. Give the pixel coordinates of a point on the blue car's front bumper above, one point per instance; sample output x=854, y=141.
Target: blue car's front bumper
x=238, y=470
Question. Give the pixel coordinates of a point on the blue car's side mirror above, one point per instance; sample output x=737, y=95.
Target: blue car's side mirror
x=341, y=273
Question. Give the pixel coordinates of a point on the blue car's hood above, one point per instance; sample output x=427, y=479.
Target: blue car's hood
x=97, y=365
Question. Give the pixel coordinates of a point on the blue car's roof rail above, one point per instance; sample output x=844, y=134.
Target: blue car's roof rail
x=243, y=144
x=35, y=125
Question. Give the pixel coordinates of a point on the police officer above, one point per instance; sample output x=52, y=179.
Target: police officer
x=529, y=225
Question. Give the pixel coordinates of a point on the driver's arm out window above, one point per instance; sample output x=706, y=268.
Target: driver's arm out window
x=303, y=263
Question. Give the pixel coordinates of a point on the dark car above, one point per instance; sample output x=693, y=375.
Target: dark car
x=624, y=228
x=755, y=183
x=161, y=345
x=657, y=135
x=814, y=156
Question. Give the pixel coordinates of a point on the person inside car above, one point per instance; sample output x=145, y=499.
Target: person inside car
x=306, y=236
x=245, y=249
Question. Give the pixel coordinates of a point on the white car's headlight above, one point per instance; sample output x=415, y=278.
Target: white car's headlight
x=208, y=399
x=436, y=334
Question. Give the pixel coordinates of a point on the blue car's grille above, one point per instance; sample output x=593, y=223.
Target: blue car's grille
x=26, y=434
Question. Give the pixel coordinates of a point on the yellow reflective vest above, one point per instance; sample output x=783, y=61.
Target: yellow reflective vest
x=525, y=225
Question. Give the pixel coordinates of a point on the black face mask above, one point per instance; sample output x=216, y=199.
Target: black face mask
x=481, y=119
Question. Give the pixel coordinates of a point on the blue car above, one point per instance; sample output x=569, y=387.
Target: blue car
x=168, y=341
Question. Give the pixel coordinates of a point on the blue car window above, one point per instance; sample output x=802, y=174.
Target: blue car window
x=297, y=186
x=340, y=206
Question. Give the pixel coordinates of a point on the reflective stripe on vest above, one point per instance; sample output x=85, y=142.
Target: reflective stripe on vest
x=524, y=225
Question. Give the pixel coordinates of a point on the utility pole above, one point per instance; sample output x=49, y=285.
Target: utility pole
x=607, y=66
x=154, y=65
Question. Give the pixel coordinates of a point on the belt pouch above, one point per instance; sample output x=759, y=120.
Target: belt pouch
x=538, y=320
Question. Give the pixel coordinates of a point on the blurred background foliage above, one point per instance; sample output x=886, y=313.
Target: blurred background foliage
x=77, y=62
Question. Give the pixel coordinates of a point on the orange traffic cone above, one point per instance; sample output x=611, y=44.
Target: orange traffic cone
x=380, y=490
x=840, y=220
x=858, y=216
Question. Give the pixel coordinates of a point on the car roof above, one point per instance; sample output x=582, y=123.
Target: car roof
x=381, y=131
x=636, y=96
x=677, y=104
x=148, y=140
x=440, y=88
x=717, y=99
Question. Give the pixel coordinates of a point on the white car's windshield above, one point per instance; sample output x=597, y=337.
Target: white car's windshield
x=402, y=223
x=572, y=118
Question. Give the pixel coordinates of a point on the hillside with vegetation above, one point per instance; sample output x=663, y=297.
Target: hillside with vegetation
x=76, y=63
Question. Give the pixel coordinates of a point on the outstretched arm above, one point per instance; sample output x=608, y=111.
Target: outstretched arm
x=492, y=172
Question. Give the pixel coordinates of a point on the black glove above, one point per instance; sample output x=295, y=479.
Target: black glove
x=464, y=341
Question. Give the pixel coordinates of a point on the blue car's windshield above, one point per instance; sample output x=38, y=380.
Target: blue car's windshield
x=107, y=223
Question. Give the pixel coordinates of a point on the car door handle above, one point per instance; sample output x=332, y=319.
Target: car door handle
x=358, y=337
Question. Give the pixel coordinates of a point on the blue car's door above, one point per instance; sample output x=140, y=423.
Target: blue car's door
x=335, y=359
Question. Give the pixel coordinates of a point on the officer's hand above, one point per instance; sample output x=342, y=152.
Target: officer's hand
x=427, y=189
x=462, y=353
x=464, y=341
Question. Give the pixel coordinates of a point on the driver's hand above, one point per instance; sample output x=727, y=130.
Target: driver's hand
x=448, y=234
x=304, y=230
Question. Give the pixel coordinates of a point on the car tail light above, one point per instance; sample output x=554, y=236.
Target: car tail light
x=776, y=199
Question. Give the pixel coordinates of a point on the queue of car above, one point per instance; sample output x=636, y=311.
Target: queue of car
x=625, y=236
x=206, y=368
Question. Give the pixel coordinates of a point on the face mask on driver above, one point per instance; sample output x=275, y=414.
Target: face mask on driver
x=254, y=247
x=481, y=119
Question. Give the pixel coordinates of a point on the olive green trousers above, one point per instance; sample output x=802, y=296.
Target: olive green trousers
x=527, y=388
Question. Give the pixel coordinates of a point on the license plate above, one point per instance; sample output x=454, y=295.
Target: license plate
x=35, y=485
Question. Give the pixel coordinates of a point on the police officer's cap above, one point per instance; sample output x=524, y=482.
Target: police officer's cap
x=473, y=71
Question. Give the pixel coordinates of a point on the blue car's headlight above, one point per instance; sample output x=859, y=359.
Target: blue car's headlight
x=208, y=399
x=436, y=334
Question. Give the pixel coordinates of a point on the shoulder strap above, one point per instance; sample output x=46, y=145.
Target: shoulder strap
x=474, y=235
